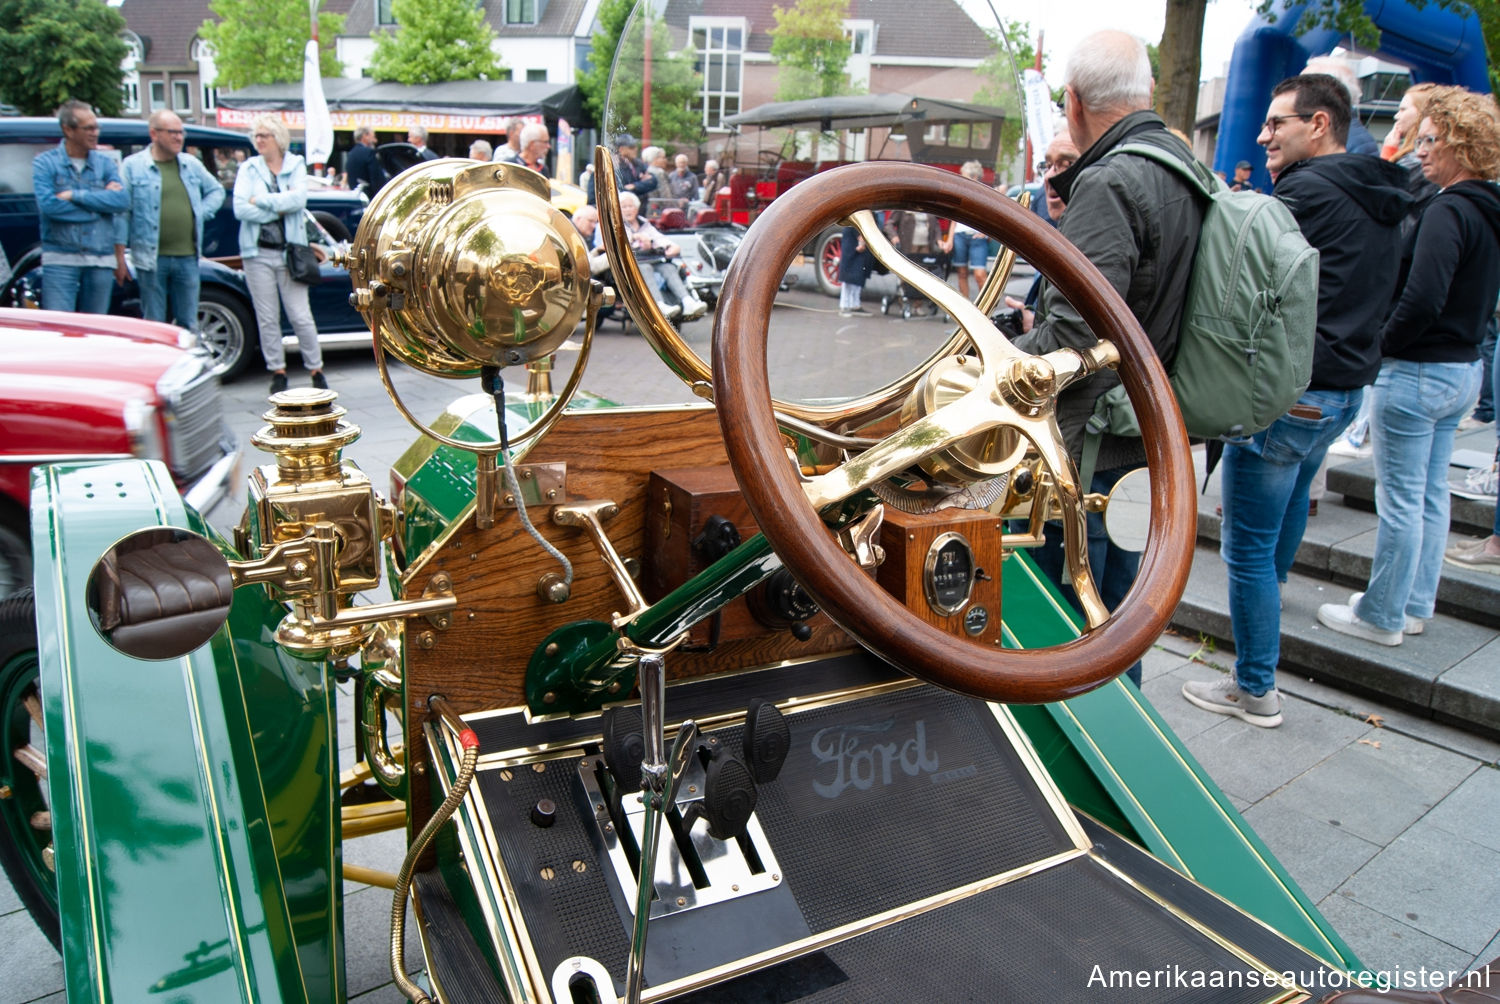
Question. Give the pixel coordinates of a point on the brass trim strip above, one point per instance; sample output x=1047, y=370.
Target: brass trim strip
x=1233, y=948
x=845, y=932
x=1031, y=761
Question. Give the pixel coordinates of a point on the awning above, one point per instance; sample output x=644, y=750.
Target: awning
x=863, y=111
x=460, y=106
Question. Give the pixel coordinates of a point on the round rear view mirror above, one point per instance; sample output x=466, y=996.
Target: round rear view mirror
x=160, y=593
x=1127, y=514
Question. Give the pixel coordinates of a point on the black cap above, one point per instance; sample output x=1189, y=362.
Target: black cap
x=625, y=139
x=1243, y=163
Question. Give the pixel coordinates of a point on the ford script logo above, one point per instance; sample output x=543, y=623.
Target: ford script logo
x=861, y=756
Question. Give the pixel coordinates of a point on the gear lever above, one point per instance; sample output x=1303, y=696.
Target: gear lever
x=659, y=777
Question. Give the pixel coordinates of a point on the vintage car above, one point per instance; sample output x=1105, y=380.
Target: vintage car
x=78, y=388
x=755, y=699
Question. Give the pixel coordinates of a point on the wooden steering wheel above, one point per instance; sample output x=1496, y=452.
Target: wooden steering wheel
x=1014, y=391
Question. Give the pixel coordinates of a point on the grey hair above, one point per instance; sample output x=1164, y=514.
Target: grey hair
x=1110, y=71
x=419, y=131
x=67, y=112
x=480, y=149
x=972, y=169
x=273, y=125
x=533, y=132
x=1339, y=70
x=360, y=132
x=626, y=197
x=650, y=154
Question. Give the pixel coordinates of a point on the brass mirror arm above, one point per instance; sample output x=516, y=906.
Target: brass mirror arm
x=307, y=568
x=590, y=516
x=1047, y=439
x=382, y=695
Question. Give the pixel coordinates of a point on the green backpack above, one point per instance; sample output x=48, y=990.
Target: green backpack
x=1245, y=346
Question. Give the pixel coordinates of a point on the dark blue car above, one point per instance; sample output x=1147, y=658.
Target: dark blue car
x=225, y=316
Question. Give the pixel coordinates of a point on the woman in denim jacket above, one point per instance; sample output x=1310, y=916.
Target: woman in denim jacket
x=272, y=188
x=78, y=191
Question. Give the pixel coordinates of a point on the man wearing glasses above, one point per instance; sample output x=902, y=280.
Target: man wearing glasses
x=1349, y=207
x=171, y=194
x=77, y=192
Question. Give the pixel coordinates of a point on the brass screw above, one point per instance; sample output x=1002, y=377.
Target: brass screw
x=681, y=901
x=420, y=767
x=580, y=867
x=509, y=500
x=426, y=639
x=526, y=474
x=299, y=568
x=551, y=494
x=506, y=775
x=547, y=873
x=550, y=697
x=540, y=768
x=442, y=581
x=735, y=887
x=551, y=648
x=472, y=615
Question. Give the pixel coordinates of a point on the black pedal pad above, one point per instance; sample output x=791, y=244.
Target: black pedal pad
x=624, y=747
x=767, y=740
x=728, y=797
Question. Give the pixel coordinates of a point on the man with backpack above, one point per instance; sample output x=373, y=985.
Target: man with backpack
x=1349, y=208
x=1138, y=222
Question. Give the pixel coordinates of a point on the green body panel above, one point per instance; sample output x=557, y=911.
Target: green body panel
x=1114, y=757
x=194, y=816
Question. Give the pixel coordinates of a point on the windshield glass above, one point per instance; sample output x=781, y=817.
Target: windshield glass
x=713, y=114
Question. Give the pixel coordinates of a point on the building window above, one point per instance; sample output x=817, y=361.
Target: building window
x=158, y=94
x=537, y=75
x=210, y=97
x=505, y=74
x=203, y=54
x=720, y=47
x=383, y=14
x=130, y=72
x=520, y=11
x=182, y=95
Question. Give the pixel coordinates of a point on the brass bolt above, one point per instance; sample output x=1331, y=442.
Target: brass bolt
x=472, y=615
x=299, y=568
x=420, y=767
x=551, y=494
x=509, y=500
x=5, y=791
x=442, y=581
x=526, y=474
x=681, y=901
x=550, y=697
x=426, y=639
x=551, y=648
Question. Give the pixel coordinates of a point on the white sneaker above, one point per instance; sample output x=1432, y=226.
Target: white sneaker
x=1414, y=625
x=1480, y=484
x=1341, y=447
x=693, y=308
x=1342, y=618
x=1224, y=697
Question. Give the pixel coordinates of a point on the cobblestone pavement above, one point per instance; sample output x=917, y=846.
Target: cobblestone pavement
x=1390, y=823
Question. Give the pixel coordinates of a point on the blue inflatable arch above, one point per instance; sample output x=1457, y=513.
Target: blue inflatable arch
x=1438, y=45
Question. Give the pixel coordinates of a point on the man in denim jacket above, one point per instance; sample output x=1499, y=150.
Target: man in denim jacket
x=77, y=190
x=171, y=194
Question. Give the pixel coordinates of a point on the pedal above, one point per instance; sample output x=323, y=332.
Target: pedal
x=624, y=747
x=767, y=740
x=728, y=801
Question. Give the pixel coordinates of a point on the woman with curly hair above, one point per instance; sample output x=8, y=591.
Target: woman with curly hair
x=1430, y=370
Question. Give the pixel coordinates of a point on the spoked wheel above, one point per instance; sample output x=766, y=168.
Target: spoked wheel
x=1003, y=402
x=829, y=251
x=25, y=815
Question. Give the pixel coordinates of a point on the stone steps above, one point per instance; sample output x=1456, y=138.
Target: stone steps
x=1450, y=673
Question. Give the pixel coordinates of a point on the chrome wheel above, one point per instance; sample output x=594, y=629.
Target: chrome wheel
x=25, y=815
x=224, y=329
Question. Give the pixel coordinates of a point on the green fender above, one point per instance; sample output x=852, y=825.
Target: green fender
x=194, y=805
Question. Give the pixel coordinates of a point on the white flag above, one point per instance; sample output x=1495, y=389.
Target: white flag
x=1039, y=109
x=317, y=125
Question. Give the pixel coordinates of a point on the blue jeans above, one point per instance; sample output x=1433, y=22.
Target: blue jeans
x=174, y=281
x=970, y=250
x=1489, y=352
x=1415, y=411
x=77, y=288
x=1113, y=569
x=1265, y=484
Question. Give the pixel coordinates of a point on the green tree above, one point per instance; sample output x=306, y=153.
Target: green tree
x=1013, y=52
x=53, y=50
x=810, y=49
x=261, y=41
x=676, y=89
x=594, y=81
x=436, y=41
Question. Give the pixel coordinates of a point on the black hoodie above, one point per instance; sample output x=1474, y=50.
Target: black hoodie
x=1350, y=208
x=1454, y=277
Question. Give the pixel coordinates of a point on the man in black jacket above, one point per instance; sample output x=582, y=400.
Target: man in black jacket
x=1350, y=208
x=361, y=165
x=1138, y=222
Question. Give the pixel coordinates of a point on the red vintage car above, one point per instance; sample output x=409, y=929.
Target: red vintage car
x=85, y=387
